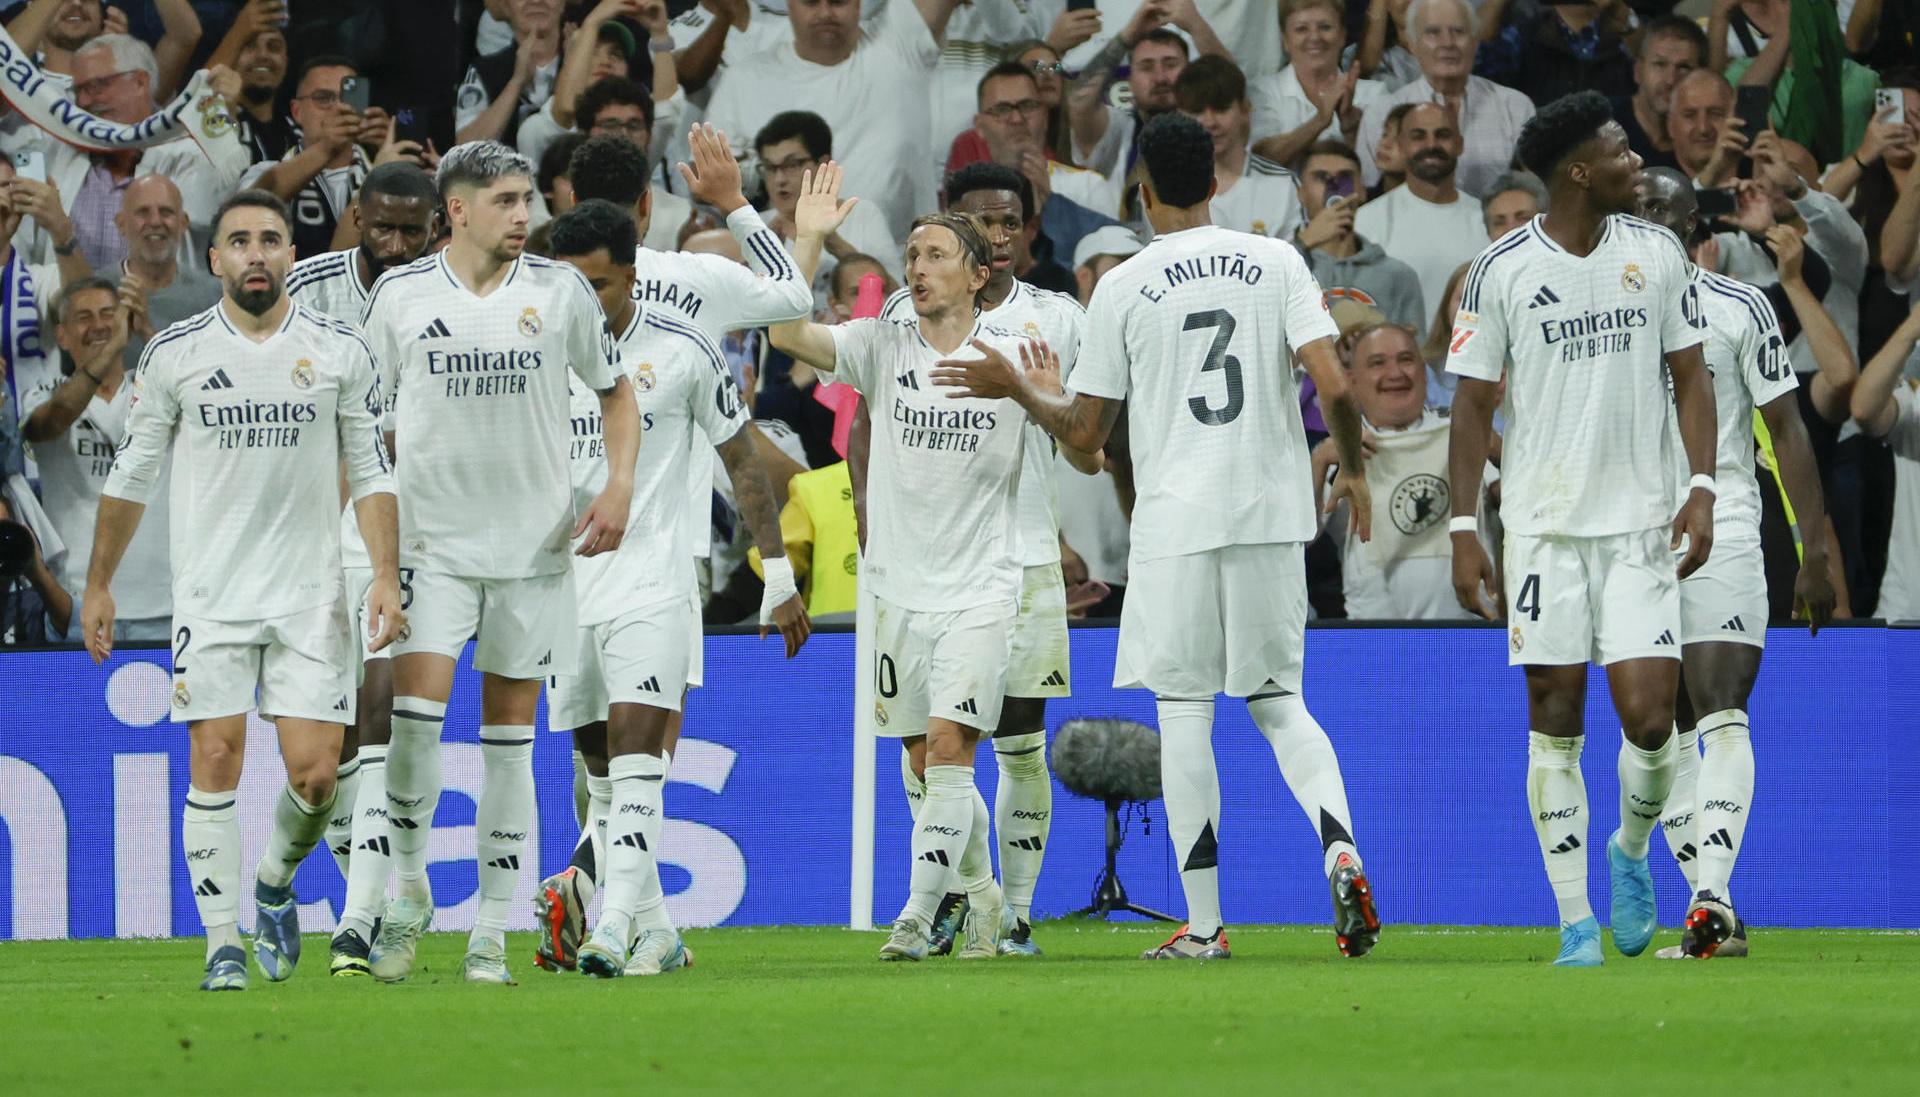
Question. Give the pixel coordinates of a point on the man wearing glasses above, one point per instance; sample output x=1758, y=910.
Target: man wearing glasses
x=1344, y=263
x=618, y=107
x=114, y=77
x=790, y=145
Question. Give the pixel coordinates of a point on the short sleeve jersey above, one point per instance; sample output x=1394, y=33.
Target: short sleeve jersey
x=329, y=283
x=943, y=474
x=1582, y=342
x=684, y=391
x=258, y=432
x=1751, y=368
x=1196, y=333
x=479, y=388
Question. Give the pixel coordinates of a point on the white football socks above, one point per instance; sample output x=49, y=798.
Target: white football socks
x=297, y=827
x=1557, y=797
x=634, y=821
x=1646, y=779
x=346, y=786
x=210, y=839
x=1680, y=820
x=940, y=837
x=976, y=862
x=371, y=865
x=582, y=795
x=1725, y=791
x=1311, y=770
x=413, y=790
x=1191, y=787
x=1023, y=815
x=501, y=823
x=593, y=863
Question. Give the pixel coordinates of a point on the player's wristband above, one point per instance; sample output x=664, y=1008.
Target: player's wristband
x=1463, y=523
x=778, y=571
x=1705, y=483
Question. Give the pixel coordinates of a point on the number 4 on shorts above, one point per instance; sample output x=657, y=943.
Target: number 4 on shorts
x=1529, y=600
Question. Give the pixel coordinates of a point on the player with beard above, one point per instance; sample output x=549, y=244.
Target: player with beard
x=263, y=404
x=1037, y=665
x=1586, y=312
x=1723, y=606
x=395, y=219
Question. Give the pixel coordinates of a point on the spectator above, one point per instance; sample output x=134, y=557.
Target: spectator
x=42, y=613
x=1512, y=200
x=319, y=178
x=1489, y=116
x=1547, y=50
x=114, y=77
x=75, y=415
x=1345, y=264
x=503, y=88
x=1881, y=33
x=1707, y=137
x=978, y=37
x=1382, y=53
x=556, y=189
x=603, y=46
x=1670, y=47
x=817, y=524
x=1764, y=24
x=1439, y=339
x=1103, y=135
x=1871, y=182
x=1387, y=155
x=789, y=146
x=1099, y=252
x=156, y=288
x=1311, y=99
x=1073, y=201
x=1251, y=193
x=58, y=29
x=1050, y=77
x=872, y=84
x=1885, y=408
x=1428, y=224
x=847, y=276
x=22, y=288
x=256, y=47
x=618, y=107
x=1405, y=573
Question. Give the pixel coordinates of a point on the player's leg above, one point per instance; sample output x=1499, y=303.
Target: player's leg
x=346, y=786
x=952, y=910
x=1677, y=822
x=309, y=749
x=1022, y=812
x=1721, y=678
x=210, y=839
x=577, y=701
x=657, y=946
x=422, y=681
x=370, y=865
x=636, y=736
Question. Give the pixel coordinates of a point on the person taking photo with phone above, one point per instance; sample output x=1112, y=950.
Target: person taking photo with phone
x=1342, y=261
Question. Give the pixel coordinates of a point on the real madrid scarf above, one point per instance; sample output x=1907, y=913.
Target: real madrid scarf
x=196, y=112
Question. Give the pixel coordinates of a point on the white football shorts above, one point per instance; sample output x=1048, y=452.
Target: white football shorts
x=1228, y=620
x=1594, y=600
x=303, y=665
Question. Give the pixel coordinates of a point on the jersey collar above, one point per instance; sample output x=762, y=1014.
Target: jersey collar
x=1538, y=227
x=220, y=312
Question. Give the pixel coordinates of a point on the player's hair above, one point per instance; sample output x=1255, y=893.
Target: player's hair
x=1163, y=36
x=1289, y=8
x=987, y=175
x=1416, y=13
x=608, y=167
x=1178, y=156
x=1210, y=83
x=63, y=300
x=811, y=130
x=479, y=164
x=1521, y=181
x=593, y=225
x=130, y=54
x=540, y=241
x=969, y=230
x=557, y=160
x=1560, y=128
x=1327, y=147
x=609, y=91
x=324, y=61
x=1673, y=26
x=400, y=179
x=252, y=198
x=1006, y=70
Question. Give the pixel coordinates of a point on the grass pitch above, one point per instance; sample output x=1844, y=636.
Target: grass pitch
x=1469, y=1011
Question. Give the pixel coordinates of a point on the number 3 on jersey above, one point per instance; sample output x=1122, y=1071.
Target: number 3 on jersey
x=1222, y=323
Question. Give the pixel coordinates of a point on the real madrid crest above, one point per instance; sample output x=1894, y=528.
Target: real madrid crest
x=1518, y=641
x=1632, y=280
x=1033, y=331
x=643, y=377
x=213, y=115
x=181, y=698
x=303, y=374
x=530, y=322
x=879, y=714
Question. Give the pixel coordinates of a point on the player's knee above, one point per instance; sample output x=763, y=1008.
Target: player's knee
x=1022, y=757
x=312, y=782
x=1021, y=716
x=1646, y=722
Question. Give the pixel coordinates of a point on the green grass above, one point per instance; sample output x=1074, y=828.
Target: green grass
x=802, y=1011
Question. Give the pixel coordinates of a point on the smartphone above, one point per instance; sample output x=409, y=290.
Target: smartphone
x=1339, y=186
x=1081, y=5
x=357, y=93
x=1715, y=202
x=1751, y=105
x=410, y=125
x=1890, y=99
x=30, y=164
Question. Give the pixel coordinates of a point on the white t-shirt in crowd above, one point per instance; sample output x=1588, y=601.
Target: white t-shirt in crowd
x=1196, y=333
x=1405, y=573
x=259, y=433
x=1586, y=451
x=1433, y=238
x=943, y=474
x=1265, y=201
x=1281, y=105
x=481, y=410
x=1900, y=589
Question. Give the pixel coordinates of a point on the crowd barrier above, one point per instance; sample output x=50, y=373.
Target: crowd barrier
x=1430, y=725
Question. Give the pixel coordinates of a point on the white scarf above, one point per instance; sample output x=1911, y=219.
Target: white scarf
x=196, y=112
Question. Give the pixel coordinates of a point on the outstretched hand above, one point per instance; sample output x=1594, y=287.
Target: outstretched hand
x=991, y=377
x=819, y=213
x=714, y=176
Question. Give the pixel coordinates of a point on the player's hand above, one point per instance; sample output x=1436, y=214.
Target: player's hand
x=604, y=525
x=96, y=622
x=988, y=378
x=1813, y=597
x=384, y=616
x=790, y=617
x=1351, y=485
x=1073, y=566
x=1041, y=365
x=1473, y=574
x=818, y=213
x=714, y=176
x=1694, y=523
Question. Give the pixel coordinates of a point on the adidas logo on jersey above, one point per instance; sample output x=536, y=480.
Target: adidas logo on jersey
x=1054, y=679
x=1735, y=625
x=908, y=380
x=218, y=381
x=436, y=330
x=967, y=706
x=1542, y=299
x=1567, y=845
x=651, y=685
x=1666, y=639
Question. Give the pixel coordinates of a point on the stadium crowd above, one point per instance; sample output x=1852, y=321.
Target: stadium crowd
x=1377, y=136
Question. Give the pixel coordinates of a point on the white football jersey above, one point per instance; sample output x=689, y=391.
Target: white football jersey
x=1057, y=319
x=258, y=432
x=480, y=410
x=329, y=283
x=1586, y=451
x=1195, y=333
x=1751, y=368
x=684, y=389
x=1265, y=201
x=943, y=474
